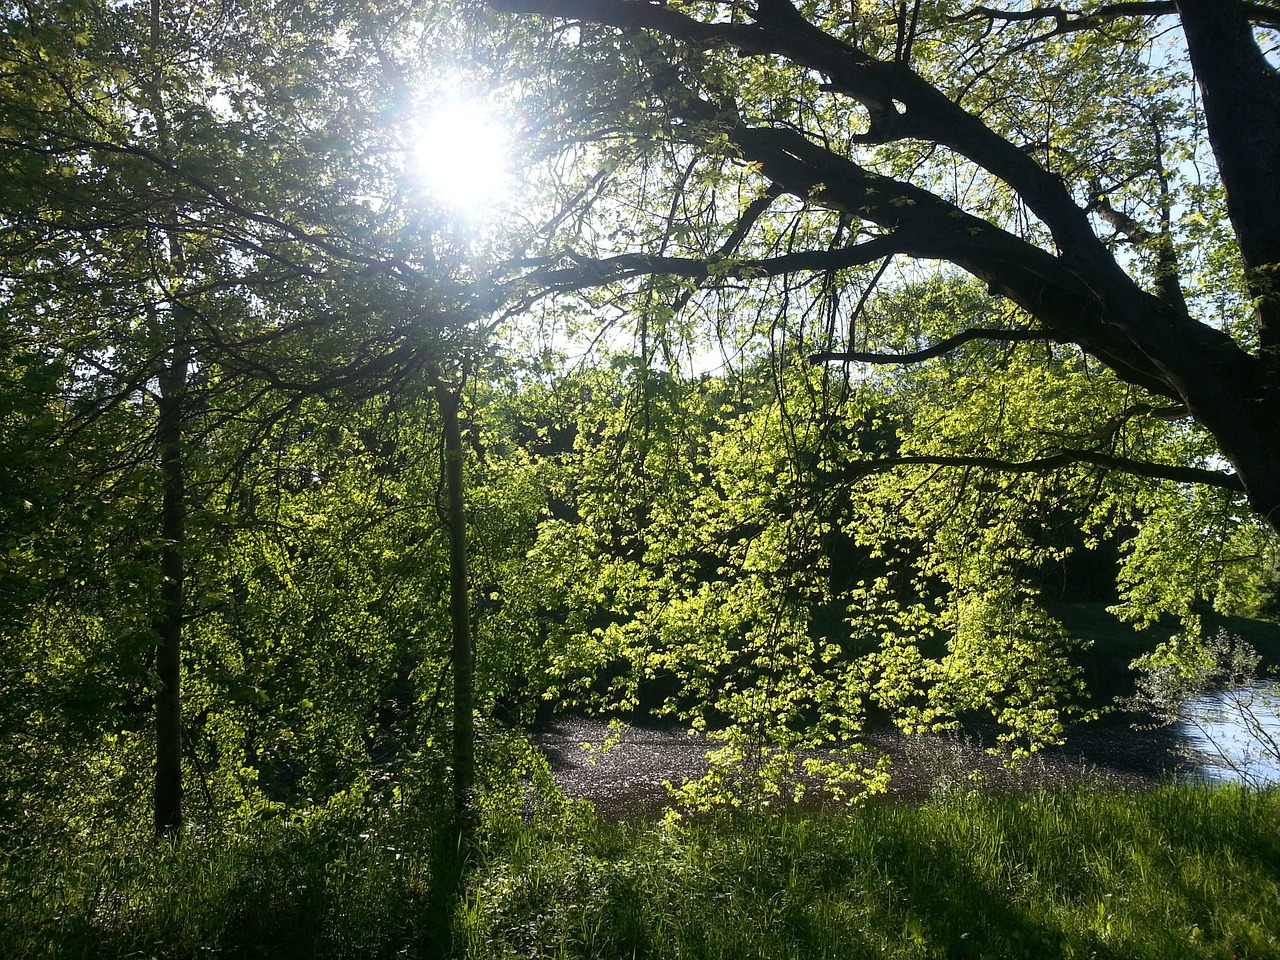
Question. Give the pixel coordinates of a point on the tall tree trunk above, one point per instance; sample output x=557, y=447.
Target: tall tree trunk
x=175, y=327
x=453, y=850
x=1240, y=91
x=1241, y=95
x=462, y=654
x=169, y=616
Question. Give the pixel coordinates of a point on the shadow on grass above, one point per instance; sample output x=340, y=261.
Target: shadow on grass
x=284, y=891
x=946, y=905
x=1175, y=873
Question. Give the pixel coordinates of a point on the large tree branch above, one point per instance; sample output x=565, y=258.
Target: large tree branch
x=1129, y=331
x=1072, y=293
x=1079, y=291
x=1057, y=461
x=938, y=349
x=925, y=226
x=1143, y=339
x=584, y=272
x=900, y=103
x=1070, y=21
x=1112, y=11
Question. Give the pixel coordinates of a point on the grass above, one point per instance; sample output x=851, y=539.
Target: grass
x=1176, y=873
x=1180, y=872
x=281, y=890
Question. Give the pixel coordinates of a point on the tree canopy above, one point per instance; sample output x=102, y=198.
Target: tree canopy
x=1061, y=156
x=819, y=344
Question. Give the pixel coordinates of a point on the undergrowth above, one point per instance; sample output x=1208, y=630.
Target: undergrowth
x=1179, y=872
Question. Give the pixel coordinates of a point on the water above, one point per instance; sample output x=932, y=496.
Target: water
x=1226, y=736
x=1234, y=735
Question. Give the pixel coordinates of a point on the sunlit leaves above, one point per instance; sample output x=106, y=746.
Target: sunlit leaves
x=731, y=552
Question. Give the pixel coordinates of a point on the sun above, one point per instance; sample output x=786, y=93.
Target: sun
x=461, y=154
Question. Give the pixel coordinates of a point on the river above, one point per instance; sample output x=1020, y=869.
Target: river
x=1235, y=734
x=624, y=768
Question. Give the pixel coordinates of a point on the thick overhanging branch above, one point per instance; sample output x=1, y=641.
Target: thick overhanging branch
x=1082, y=293
x=1064, y=17
x=1057, y=461
x=937, y=349
x=586, y=272
x=1077, y=289
x=1068, y=21
x=900, y=103
x=925, y=226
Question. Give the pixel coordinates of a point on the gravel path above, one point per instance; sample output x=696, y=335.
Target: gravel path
x=628, y=778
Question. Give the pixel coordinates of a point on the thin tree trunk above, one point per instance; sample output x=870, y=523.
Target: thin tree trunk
x=169, y=616
x=453, y=850
x=171, y=612
x=462, y=655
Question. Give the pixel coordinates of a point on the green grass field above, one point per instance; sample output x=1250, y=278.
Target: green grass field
x=1180, y=872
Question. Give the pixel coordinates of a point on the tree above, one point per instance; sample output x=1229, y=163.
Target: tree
x=720, y=552
x=795, y=182
x=213, y=231
x=198, y=249
x=1059, y=155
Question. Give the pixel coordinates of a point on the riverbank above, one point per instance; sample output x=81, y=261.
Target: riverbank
x=1183, y=872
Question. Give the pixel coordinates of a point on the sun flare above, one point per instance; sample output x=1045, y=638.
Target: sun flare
x=462, y=155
